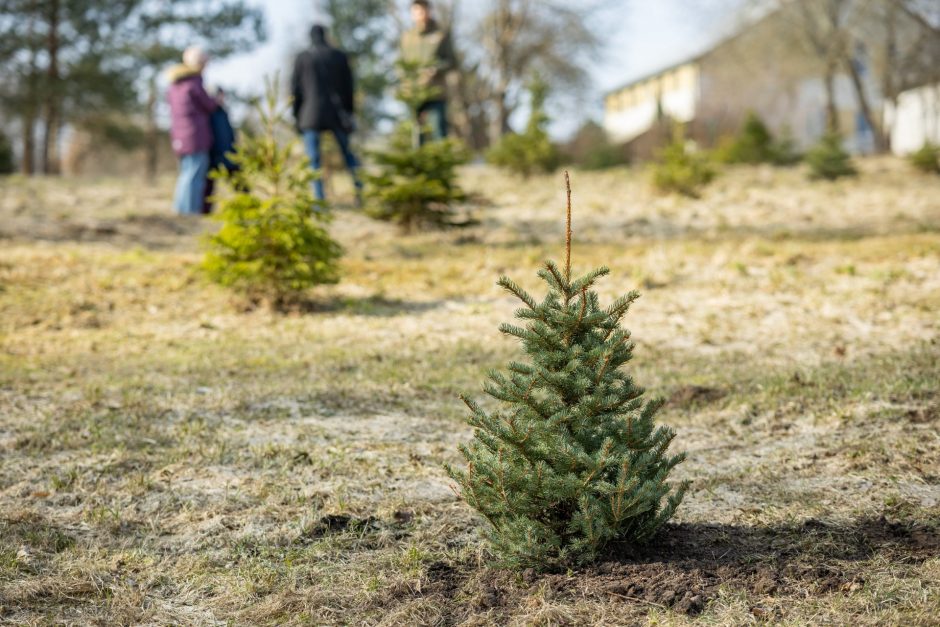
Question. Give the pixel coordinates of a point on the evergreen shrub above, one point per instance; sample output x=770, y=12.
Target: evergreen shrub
x=755, y=144
x=571, y=460
x=681, y=168
x=272, y=244
x=828, y=160
x=591, y=149
x=927, y=158
x=416, y=183
x=531, y=151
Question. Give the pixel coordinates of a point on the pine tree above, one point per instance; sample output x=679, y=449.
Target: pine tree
x=532, y=150
x=681, y=169
x=272, y=244
x=753, y=144
x=926, y=158
x=828, y=159
x=416, y=185
x=572, y=459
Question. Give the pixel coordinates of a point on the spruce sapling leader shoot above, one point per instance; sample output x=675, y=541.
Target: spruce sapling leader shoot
x=572, y=459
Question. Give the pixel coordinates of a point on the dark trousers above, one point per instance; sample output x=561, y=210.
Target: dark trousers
x=433, y=118
x=312, y=144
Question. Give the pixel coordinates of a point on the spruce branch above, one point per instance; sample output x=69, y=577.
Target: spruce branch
x=510, y=286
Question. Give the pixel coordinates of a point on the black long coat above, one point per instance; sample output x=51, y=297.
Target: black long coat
x=321, y=84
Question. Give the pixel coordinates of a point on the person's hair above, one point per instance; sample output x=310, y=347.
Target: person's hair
x=421, y=3
x=195, y=56
x=318, y=32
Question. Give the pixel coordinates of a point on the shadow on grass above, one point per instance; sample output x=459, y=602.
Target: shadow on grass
x=685, y=565
x=375, y=306
x=539, y=232
x=150, y=231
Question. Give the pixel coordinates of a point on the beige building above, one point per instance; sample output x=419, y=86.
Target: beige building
x=767, y=68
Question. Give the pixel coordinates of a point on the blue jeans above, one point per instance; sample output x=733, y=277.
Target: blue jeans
x=312, y=144
x=433, y=115
x=191, y=183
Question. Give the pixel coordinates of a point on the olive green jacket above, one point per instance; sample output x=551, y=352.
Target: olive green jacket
x=431, y=48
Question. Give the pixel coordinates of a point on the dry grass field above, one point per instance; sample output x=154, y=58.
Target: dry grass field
x=170, y=456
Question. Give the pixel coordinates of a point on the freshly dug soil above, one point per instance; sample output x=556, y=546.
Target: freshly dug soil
x=684, y=566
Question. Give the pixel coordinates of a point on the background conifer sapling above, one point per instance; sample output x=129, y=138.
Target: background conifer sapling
x=532, y=150
x=572, y=459
x=828, y=160
x=416, y=184
x=272, y=244
x=681, y=168
x=926, y=158
x=754, y=143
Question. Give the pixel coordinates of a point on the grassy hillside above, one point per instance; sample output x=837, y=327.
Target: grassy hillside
x=168, y=455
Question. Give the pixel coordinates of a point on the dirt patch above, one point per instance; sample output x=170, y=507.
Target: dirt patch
x=694, y=396
x=148, y=230
x=683, y=568
x=923, y=415
x=340, y=523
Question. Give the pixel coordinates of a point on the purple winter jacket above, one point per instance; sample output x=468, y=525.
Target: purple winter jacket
x=190, y=107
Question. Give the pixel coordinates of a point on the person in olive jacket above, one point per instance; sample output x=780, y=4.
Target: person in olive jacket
x=430, y=46
x=322, y=86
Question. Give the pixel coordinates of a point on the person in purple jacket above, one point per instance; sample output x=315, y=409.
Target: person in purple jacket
x=190, y=130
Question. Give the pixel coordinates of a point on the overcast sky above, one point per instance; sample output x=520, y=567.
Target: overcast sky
x=641, y=36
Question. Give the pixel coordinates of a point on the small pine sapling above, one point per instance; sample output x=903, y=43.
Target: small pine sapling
x=926, y=159
x=828, y=160
x=591, y=149
x=416, y=185
x=753, y=143
x=272, y=244
x=572, y=459
x=681, y=168
x=532, y=150
x=784, y=151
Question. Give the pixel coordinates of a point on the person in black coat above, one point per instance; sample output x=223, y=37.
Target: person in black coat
x=322, y=85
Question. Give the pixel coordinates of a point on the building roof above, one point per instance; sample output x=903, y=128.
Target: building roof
x=695, y=58
x=664, y=70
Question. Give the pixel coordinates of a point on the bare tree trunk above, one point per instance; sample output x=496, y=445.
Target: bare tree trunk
x=499, y=125
x=152, y=135
x=29, y=144
x=27, y=166
x=864, y=106
x=889, y=84
x=50, y=140
x=832, y=111
x=50, y=136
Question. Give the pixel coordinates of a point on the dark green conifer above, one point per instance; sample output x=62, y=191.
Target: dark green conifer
x=926, y=159
x=532, y=150
x=681, y=168
x=571, y=460
x=828, y=159
x=416, y=182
